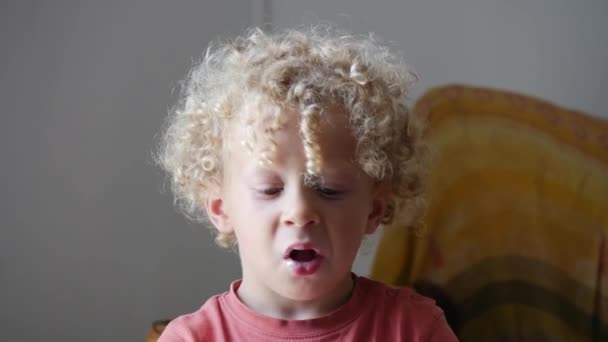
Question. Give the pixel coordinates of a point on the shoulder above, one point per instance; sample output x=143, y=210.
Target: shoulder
x=194, y=326
x=405, y=308
x=400, y=297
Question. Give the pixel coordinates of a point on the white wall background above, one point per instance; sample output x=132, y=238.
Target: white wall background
x=90, y=249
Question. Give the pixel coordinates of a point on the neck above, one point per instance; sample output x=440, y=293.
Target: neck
x=265, y=301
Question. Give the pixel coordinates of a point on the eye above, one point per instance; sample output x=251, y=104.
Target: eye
x=270, y=191
x=328, y=192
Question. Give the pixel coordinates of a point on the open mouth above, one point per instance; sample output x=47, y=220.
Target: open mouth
x=303, y=255
x=302, y=252
x=303, y=259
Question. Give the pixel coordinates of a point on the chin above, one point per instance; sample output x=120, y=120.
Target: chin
x=301, y=291
x=309, y=290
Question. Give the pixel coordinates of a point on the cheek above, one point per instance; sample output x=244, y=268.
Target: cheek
x=253, y=218
x=351, y=218
x=357, y=207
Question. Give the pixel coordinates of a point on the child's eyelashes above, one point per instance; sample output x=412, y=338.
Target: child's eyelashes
x=328, y=192
x=322, y=191
x=267, y=192
x=270, y=191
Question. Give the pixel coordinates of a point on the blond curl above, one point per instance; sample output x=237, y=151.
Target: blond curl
x=308, y=70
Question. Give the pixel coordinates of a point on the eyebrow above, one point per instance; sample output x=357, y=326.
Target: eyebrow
x=257, y=171
x=342, y=174
x=340, y=169
x=332, y=171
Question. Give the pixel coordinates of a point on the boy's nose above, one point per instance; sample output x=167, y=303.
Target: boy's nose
x=300, y=211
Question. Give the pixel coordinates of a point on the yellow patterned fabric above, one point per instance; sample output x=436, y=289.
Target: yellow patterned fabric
x=514, y=243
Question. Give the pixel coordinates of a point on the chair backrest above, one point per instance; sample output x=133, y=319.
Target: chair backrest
x=156, y=330
x=514, y=245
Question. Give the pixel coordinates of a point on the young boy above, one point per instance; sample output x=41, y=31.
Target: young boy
x=295, y=145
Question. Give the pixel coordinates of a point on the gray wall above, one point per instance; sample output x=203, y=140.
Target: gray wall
x=90, y=249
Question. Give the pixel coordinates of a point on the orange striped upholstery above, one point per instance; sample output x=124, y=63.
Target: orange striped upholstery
x=515, y=233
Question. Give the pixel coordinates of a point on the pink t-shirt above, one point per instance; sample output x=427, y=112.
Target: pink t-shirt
x=375, y=312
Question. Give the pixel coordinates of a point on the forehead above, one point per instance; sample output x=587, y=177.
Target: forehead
x=279, y=130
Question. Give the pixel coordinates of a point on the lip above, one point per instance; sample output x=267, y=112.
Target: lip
x=303, y=268
x=302, y=245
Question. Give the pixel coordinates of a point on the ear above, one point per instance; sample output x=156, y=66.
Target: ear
x=379, y=202
x=217, y=215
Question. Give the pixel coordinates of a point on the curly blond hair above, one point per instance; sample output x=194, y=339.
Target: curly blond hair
x=307, y=70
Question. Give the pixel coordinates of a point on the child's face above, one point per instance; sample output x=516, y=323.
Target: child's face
x=272, y=211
